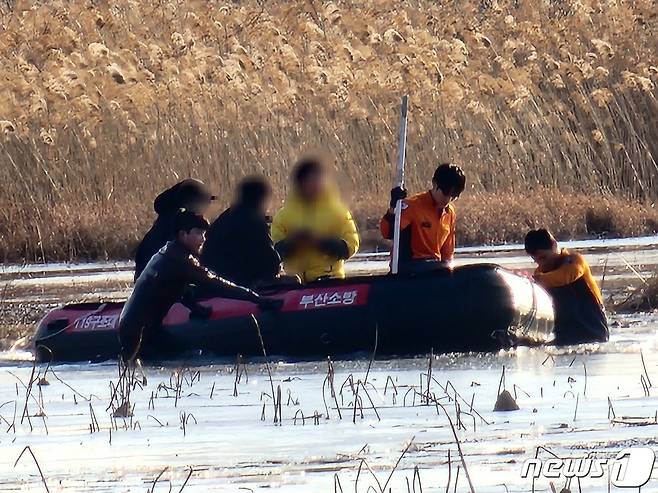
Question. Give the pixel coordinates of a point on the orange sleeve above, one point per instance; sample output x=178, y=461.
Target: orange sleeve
x=385, y=227
x=572, y=269
x=387, y=222
x=448, y=247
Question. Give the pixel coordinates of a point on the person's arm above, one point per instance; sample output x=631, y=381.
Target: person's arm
x=572, y=269
x=448, y=247
x=344, y=245
x=349, y=235
x=197, y=310
x=387, y=222
x=200, y=276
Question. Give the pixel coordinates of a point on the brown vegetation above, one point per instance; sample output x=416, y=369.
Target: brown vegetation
x=550, y=106
x=642, y=298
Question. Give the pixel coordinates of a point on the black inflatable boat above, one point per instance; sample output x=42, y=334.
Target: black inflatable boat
x=470, y=308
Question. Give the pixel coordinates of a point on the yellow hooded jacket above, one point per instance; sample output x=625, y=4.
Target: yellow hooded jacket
x=326, y=217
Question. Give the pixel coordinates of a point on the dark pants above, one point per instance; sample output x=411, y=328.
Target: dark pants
x=132, y=339
x=578, y=316
x=147, y=343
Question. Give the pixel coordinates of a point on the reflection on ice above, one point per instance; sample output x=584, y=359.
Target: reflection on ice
x=572, y=401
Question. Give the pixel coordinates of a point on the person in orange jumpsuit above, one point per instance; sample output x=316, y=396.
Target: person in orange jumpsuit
x=577, y=300
x=427, y=224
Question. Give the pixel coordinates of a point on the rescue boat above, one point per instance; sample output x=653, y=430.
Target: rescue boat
x=473, y=308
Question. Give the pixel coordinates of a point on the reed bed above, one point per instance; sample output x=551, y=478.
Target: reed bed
x=643, y=298
x=550, y=107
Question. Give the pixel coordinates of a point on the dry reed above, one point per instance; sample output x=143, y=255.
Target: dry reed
x=642, y=298
x=550, y=107
x=36, y=462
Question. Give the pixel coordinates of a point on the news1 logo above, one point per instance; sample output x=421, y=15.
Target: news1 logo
x=631, y=468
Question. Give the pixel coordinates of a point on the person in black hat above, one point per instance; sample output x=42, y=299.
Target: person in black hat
x=165, y=280
x=189, y=194
x=239, y=246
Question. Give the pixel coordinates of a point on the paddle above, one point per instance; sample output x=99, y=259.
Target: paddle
x=402, y=147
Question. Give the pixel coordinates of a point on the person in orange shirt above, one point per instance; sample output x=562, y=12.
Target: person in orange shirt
x=427, y=224
x=577, y=300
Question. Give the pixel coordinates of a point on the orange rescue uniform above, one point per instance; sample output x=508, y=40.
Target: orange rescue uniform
x=577, y=300
x=425, y=232
x=573, y=267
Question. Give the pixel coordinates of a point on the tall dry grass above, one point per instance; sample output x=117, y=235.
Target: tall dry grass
x=550, y=106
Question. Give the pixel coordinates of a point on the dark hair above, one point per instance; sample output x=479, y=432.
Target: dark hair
x=186, y=221
x=306, y=167
x=538, y=239
x=253, y=190
x=450, y=179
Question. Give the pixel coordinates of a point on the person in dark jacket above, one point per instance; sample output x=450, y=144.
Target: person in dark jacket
x=238, y=245
x=579, y=313
x=188, y=194
x=164, y=281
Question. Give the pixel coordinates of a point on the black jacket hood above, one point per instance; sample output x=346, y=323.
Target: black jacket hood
x=167, y=202
x=179, y=196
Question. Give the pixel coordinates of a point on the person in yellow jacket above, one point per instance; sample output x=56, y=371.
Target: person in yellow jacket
x=579, y=313
x=314, y=232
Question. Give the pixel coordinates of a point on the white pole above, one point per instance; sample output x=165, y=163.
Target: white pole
x=402, y=148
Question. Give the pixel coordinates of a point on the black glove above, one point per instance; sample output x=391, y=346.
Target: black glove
x=269, y=304
x=397, y=193
x=200, y=312
x=334, y=247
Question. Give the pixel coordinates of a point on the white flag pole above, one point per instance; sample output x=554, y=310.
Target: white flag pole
x=402, y=147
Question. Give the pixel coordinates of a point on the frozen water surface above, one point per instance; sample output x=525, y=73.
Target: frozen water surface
x=232, y=444
x=573, y=401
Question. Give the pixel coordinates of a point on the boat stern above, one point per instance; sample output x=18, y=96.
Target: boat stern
x=534, y=315
x=85, y=331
